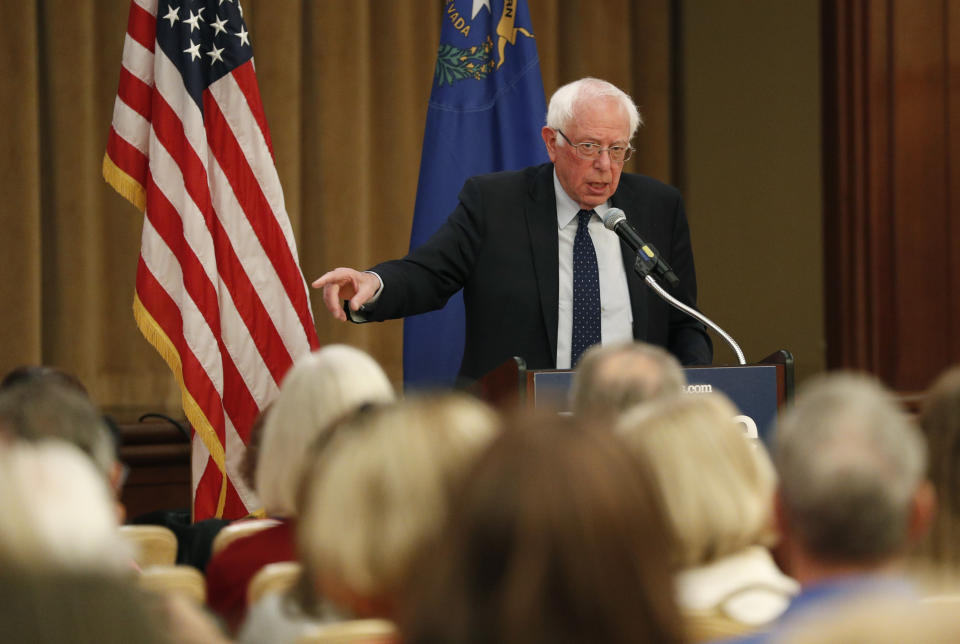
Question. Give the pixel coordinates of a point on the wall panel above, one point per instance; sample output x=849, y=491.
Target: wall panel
x=891, y=212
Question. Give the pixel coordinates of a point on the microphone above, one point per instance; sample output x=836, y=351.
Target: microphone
x=647, y=255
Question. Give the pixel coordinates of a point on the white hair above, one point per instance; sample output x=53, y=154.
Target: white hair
x=56, y=510
x=319, y=389
x=850, y=462
x=565, y=101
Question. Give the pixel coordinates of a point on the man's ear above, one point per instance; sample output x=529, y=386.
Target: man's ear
x=780, y=519
x=923, y=509
x=550, y=140
x=781, y=550
x=116, y=477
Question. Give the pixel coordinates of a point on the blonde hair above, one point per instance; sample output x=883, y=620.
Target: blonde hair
x=717, y=485
x=380, y=488
x=319, y=388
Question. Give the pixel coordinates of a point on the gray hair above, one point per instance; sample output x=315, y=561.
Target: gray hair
x=47, y=408
x=615, y=377
x=850, y=462
x=565, y=101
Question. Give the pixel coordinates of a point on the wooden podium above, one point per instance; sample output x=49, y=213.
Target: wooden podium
x=759, y=390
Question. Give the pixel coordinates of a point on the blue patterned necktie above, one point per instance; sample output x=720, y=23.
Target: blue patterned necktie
x=586, y=291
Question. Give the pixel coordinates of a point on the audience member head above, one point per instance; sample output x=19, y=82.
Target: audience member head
x=42, y=404
x=57, y=510
x=852, y=493
x=557, y=535
x=717, y=485
x=613, y=378
x=32, y=373
x=940, y=422
x=379, y=489
x=318, y=389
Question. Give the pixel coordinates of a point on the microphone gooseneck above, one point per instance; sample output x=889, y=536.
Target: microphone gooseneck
x=649, y=261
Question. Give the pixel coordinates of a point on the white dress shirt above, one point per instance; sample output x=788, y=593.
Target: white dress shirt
x=616, y=317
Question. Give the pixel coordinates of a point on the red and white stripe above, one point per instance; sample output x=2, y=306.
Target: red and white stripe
x=219, y=289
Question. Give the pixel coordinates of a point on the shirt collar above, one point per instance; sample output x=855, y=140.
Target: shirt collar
x=702, y=587
x=567, y=208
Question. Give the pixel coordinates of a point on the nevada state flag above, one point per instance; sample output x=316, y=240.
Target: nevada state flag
x=485, y=114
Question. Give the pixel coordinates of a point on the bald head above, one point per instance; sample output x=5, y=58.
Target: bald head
x=613, y=378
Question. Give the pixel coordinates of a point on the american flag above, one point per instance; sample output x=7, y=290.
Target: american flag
x=219, y=291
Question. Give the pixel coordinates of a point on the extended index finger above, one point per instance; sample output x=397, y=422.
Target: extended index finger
x=337, y=275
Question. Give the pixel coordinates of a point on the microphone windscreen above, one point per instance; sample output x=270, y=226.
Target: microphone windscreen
x=613, y=217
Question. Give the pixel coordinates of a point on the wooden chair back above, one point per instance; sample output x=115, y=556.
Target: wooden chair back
x=276, y=577
x=361, y=631
x=239, y=529
x=154, y=545
x=177, y=579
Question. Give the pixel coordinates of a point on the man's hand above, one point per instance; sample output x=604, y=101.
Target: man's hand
x=346, y=284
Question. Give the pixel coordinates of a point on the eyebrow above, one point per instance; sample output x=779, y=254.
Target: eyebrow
x=615, y=144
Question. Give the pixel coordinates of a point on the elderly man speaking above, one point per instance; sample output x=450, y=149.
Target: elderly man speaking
x=542, y=277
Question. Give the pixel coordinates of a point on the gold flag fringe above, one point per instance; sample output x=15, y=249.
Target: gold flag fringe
x=128, y=187
x=156, y=336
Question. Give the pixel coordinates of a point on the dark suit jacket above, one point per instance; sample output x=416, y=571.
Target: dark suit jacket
x=500, y=245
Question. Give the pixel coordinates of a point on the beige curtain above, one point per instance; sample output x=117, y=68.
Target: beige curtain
x=345, y=85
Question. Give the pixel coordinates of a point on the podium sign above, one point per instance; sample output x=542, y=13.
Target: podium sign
x=752, y=388
x=758, y=390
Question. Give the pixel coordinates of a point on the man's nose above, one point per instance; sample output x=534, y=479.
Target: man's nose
x=602, y=160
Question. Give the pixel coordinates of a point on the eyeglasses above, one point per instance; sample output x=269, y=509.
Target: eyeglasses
x=588, y=150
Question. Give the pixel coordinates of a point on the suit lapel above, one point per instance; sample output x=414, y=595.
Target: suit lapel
x=626, y=201
x=541, y=214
